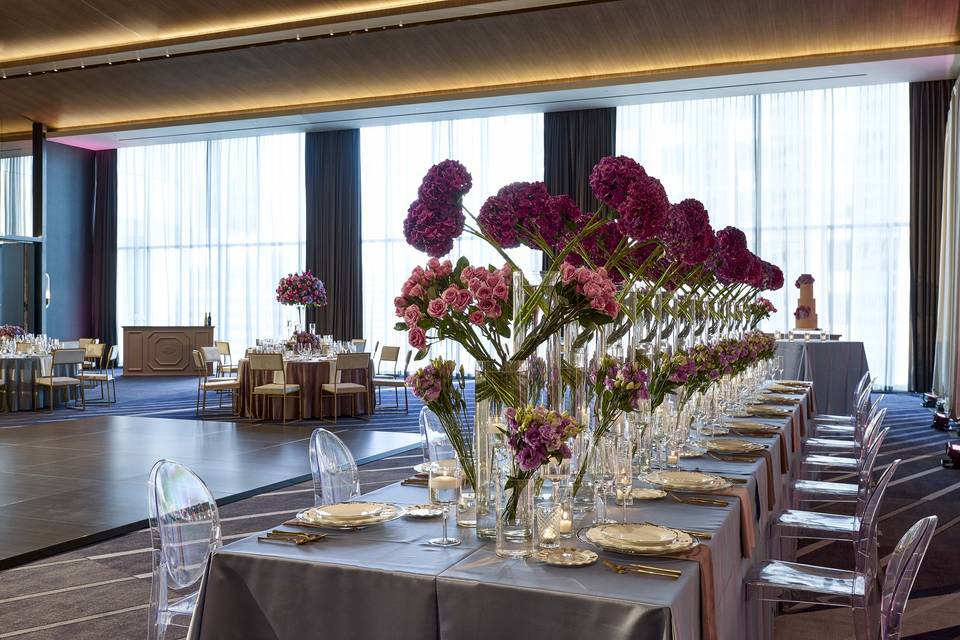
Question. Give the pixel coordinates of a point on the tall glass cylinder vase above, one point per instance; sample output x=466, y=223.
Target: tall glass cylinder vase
x=496, y=389
x=515, y=511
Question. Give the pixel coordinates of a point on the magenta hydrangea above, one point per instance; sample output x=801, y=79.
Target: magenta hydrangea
x=732, y=256
x=643, y=213
x=444, y=185
x=517, y=208
x=687, y=234
x=432, y=231
x=772, y=277
x=611, y=178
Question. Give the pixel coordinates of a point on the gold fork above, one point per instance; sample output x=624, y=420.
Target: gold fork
x=644, y=569
x=710, y=502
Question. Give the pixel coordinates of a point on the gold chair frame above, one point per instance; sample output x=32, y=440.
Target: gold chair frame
x=348, y=362
x=274, y=362
x=68, y=357
x=220, y=385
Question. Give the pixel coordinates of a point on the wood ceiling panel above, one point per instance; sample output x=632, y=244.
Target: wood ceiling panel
x=622, y=38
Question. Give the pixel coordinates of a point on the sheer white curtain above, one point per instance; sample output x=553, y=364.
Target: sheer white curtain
x=16, y=196
x=210, y=226
x=393, y=159
x=946, y=383
x=819, y=180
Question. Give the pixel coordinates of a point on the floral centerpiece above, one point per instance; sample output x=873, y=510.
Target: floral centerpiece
x=441, y=387
x=637, y=244
x=535, y=435
x=11, y=332
x=305, y=340
x=301, y=290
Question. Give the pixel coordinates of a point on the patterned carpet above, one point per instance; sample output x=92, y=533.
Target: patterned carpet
x=101, y=591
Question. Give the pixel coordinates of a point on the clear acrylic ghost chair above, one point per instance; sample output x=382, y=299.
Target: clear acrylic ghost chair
x=816, y=464
x=184, y=530
x=901, y=572
x=845, y=424
x=335, y=475
x=845, y=446
x=805, y=490
x=877, y=612
x=863, y=386
x=842, y=439
x=437, y=445
x=816, y=525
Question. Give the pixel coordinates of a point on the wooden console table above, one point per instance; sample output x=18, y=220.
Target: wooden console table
x=162, y=351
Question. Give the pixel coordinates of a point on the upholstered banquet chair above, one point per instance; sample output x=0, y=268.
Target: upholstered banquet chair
x=51, y=381
x=391, y=379
x=358, y=344
x=347, y=362
x=184, y=531
x=104, y=376
x=877, y=608
x=335, y=475
x=219, y=385
x=227, y=365
x=93, y=355
x=278, y=388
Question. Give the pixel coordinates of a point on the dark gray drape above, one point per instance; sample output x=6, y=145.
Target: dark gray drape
x=929, y=103
x=103, y=272
x=332, y=165
x=574, y=141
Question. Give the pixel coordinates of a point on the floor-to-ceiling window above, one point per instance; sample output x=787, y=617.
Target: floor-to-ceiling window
x=496, y=150
x=210, y=226
x=819, y=180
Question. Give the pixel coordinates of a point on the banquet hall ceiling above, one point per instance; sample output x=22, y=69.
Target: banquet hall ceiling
x=243, y=58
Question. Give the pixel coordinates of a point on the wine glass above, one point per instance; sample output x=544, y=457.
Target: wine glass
x=603, y=464
x=623, y=472
x=444, y=484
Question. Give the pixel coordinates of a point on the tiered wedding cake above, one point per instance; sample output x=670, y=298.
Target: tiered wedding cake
x=806, y=313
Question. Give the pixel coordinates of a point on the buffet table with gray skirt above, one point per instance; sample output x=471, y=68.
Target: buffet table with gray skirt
x=834, y=366
x=386, y=582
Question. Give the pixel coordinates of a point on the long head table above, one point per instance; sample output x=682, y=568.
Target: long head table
x=385, y=581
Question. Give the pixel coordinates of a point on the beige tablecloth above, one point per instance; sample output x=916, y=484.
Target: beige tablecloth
x=309, y=375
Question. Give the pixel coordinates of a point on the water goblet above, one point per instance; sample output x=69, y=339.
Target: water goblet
x=444, y=484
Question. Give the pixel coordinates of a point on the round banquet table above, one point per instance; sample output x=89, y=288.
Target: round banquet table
x=18, y=373
x=309, y=374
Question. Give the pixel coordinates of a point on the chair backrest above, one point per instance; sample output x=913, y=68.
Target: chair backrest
x=68, y=356
x=406, y=363
x=335, y=475
x=434, y=441
x=211, y=354
x=223, y=347
x=862, y=384
x=199, y=364
x=112, y=355
x=266, y=361
x=94, y=350
x=24, y=347
x=865, y=479
x=901, y=572
x=83, y=342
x=870, y=431
x=359, y=344
x=184, y=525
x=866, y=543
x=353, y=361
x=389, y=354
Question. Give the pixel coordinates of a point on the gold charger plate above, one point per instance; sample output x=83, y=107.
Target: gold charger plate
x=315, y=518
x=767, y=410
x=714, y=431
x=754, y=427
x=598, y=536
x=566, y=557
x=732, y=445
x=696, y=481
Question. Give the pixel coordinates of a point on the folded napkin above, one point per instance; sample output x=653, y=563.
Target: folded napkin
x=747, y=534
x=771, y=493
x=708, y=607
